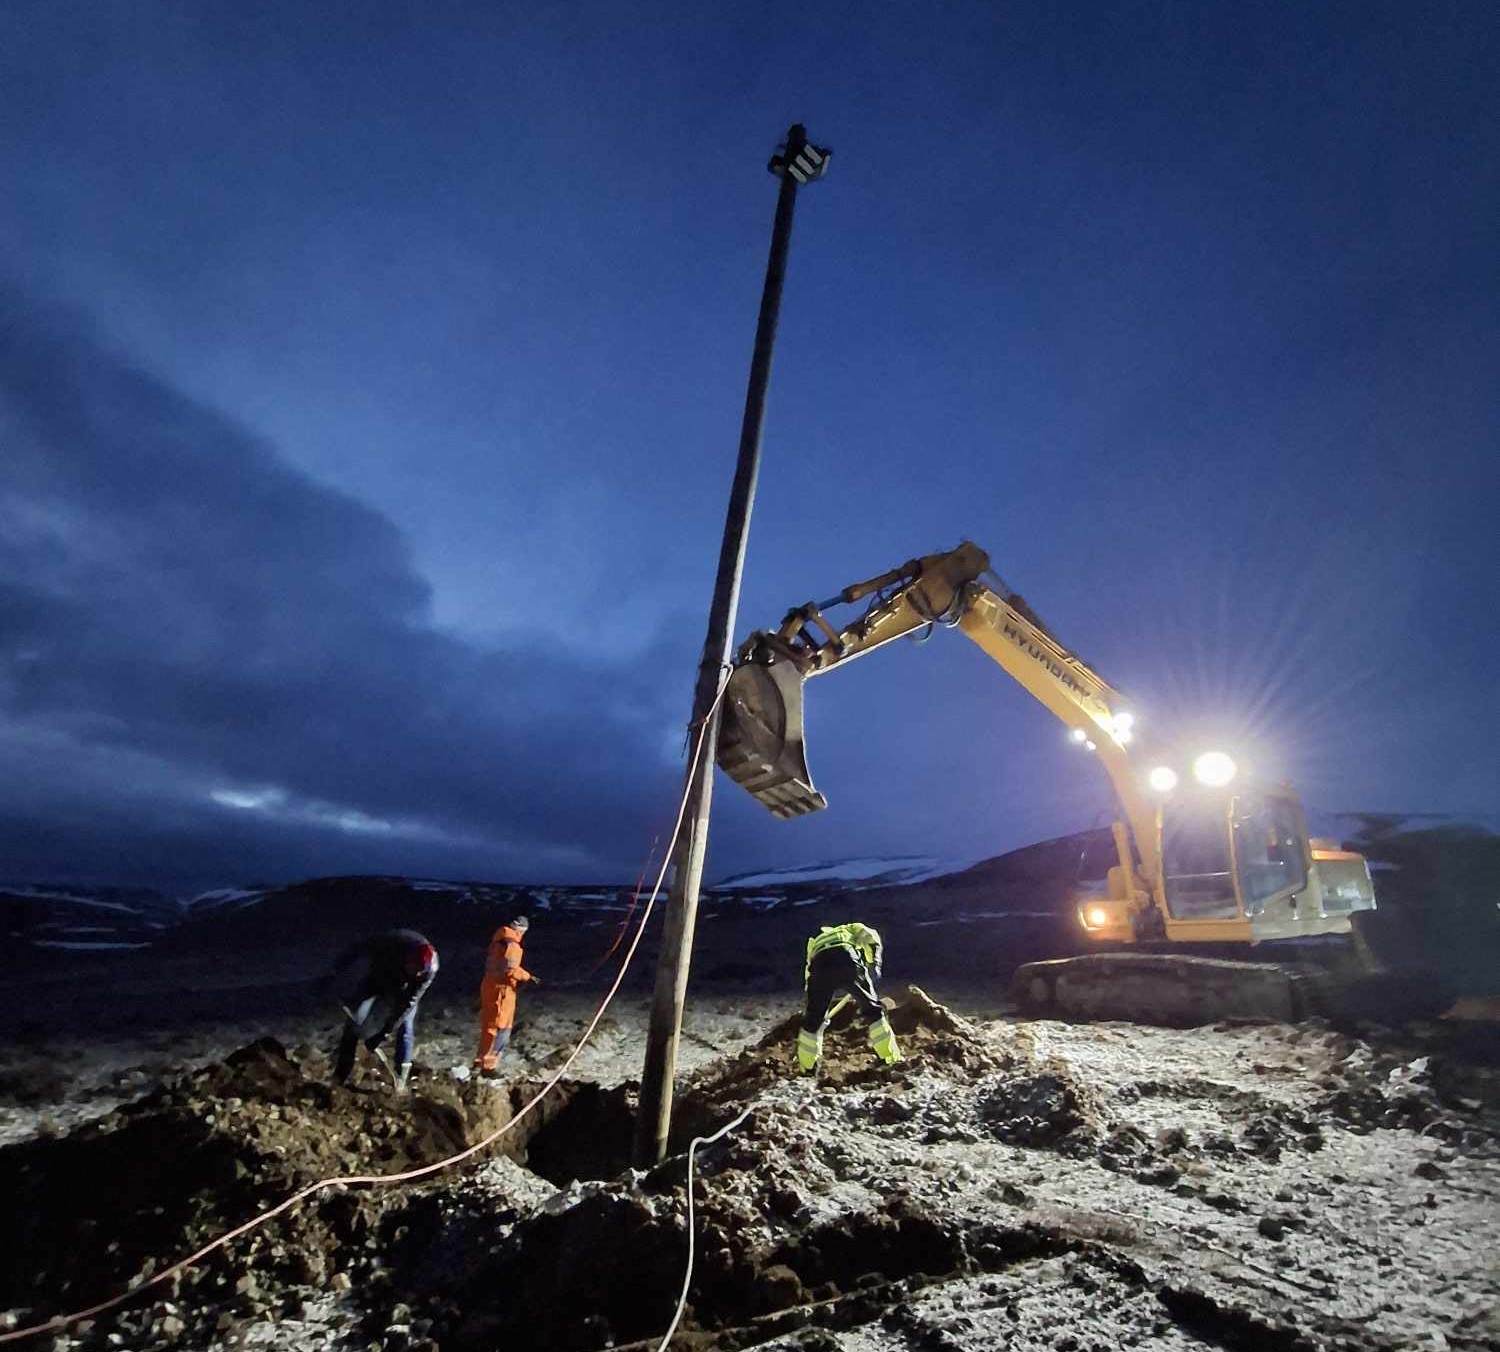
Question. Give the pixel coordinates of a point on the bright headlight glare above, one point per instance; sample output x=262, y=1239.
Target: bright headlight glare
x=1079, y=736
x=1096, y=916
x=1214, y=769
x=1124, y=722
x=1163, y=779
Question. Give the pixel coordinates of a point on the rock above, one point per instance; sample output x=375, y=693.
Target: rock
x=784, y=1201
x=340, y=1281
x=1427, y=1169
x=1271, y=1228
x=171, y=1327
x=781, y=1287
x=1163, y=1175
x=1171, y=1138
x=886, y=1110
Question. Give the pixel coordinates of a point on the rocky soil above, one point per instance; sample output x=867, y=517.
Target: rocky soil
x=1030, y=1185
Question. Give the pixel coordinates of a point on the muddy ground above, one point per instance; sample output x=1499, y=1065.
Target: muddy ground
x=1018, y=1184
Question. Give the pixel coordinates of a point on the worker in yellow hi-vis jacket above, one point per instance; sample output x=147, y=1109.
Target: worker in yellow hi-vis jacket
x=843, y=958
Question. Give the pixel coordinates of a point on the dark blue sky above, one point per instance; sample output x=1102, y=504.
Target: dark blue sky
x=370, y=379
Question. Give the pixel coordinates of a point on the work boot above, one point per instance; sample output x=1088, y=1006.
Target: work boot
x=402, y=1076
x=883, y=1040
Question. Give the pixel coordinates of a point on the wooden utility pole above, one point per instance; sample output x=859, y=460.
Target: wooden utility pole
x=797, y=162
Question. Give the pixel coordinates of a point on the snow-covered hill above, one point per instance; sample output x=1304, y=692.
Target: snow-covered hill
x=86, y=919
x=847, y=874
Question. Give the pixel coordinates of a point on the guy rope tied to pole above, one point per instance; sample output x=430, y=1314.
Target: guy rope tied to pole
x=798, y=162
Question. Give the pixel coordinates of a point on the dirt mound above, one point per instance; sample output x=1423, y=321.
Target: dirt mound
x=922, y=1026
x=1045, y=1107
x=129, y=1193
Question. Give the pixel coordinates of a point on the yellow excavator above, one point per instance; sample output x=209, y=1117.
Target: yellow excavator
x=1201, y=858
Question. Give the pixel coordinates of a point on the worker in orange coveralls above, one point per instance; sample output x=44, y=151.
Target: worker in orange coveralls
x=503, y=975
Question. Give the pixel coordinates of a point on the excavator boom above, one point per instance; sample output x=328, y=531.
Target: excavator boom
x=762, y=742
x=1204, y=865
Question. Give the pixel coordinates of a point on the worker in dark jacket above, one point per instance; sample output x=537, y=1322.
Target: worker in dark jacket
x=843, y=958
x=383, y=980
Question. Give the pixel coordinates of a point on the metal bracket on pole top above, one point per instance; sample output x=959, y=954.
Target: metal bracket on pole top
x=799, y=158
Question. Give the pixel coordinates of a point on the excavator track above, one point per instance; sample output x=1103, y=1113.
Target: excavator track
x=1181, y=991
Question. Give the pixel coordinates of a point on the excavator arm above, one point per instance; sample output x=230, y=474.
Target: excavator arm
x=761, y=742
x=1237, y=866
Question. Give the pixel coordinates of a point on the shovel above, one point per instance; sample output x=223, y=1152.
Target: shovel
x=379, y=1055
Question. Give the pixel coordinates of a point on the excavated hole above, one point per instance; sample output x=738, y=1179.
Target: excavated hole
x=588, y=1137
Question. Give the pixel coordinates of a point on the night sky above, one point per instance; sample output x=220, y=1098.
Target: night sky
x=371, y=376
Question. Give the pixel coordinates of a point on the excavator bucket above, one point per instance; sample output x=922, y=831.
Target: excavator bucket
x=760, y=738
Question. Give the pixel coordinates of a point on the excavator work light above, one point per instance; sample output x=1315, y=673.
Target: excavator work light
x=1214, y=769
x=1095, y=917
x=1079, y=736
x=1163, y=779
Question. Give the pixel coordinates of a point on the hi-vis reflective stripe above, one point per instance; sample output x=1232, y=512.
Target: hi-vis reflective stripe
x=851, y=936
x=883, y=1039
x=809, y=1048
x=836, y=936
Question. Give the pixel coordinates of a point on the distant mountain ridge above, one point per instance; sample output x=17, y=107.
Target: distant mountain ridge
x=84, y=919
x=72, y=918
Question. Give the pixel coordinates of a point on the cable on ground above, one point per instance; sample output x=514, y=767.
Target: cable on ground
x=687, y=1277
x=379, y=1180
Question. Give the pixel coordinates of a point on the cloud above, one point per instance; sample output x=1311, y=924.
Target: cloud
x=200, y=644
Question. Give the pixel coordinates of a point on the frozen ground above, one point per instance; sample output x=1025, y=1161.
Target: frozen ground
x=1028, y=1185
x=52, y=1083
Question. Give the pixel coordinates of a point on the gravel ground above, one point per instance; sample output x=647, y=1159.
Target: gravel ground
x=1019, y=1184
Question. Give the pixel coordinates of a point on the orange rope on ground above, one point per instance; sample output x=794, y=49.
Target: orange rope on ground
x=377, y=1180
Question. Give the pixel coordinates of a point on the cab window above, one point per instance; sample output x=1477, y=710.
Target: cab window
x=1267, y=850
x=1196, y=862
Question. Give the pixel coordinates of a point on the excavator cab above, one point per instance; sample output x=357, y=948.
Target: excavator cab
x=761, y=743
